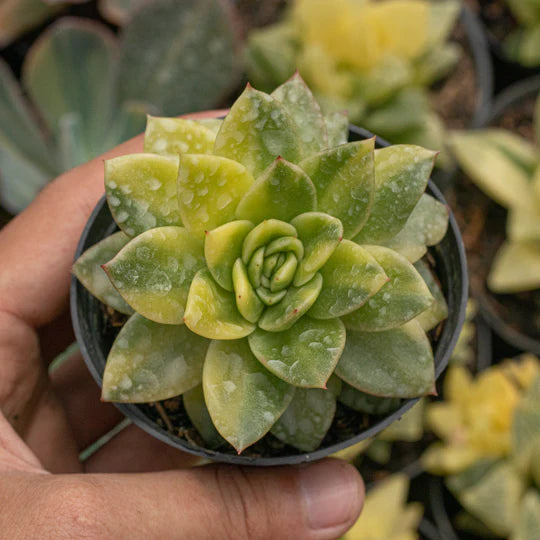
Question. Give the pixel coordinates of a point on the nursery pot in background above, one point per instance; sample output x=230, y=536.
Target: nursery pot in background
x=95, y=336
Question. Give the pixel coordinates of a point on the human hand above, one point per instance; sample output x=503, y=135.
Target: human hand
x=48, y=419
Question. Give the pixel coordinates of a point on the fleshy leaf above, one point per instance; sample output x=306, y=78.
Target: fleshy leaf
x=307, y=419
x=294, y=304
x=366, y=403
x=263, y=234
x=209, y=189
x=393, y=363
x=426, y=226
x=305, y=112
x=247, y=301
x=211, y=311
x=438, y=311
x=528, y=522
x=305, y=354
x=256, y=131
x=350, y=277
x=320, y=234
x=154, y=271
x=222, y=246
x=213, y=124
x=173, y=136
x=243, y=398
x=399, y=300
x=200, y=417
x=337, y=125
x=401, y=176
x=344, y=179
x=150, y=362
x=141, y=191
x=88, y=270
x=282, y=192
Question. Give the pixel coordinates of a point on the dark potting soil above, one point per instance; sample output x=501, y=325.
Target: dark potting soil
x=518, y=117
x=495, y=15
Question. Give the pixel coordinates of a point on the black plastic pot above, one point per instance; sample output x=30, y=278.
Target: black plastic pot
x=95, y=340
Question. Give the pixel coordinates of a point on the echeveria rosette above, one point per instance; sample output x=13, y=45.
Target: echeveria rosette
x=261, y=254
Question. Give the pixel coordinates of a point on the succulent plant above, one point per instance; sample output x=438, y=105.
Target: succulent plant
x=507, y=168
x=490, y=452
x=254, y=251
x=523, y=44
x=92, y=91
x=374, y=59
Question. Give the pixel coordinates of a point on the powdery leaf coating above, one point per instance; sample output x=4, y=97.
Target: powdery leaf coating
x=304, y=355
x=256, y=131
x=392, y=363
x=263, y=234
x=301, y=106
x=401, y=176
x=337, y=125
x=209, y=189
x=173, y=136
x=211, y=311
x=320, y=234
x=307, y=419
x=213, y=124
x=222, y=246
x=88, y=270
x=426, y=226
x=344, y=177
x=282, y=192
x=150, y=361
x=366, y=403
x=399, y=300
x=244, y=399
x=141, y=191
x=154, y=271
x=438, y=311
x=200, y=417
x=350, y=277
x=295, y=303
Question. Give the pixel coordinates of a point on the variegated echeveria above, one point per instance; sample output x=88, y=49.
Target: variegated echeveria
x=268, y=267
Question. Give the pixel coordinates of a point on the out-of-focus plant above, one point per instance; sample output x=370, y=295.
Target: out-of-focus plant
x=464, y=352
x=507, y=168
x=523, y=44
x=89, y=91
x=386, y=514
x=374, y=59
x=490, y=449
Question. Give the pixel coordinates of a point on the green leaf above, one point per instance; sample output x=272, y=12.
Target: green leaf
x=392, y=363
x=282, y=192
x=190, y=49
x=320, y=234
x=294, y=304
x=200, y=417
x=344, y=179
x=516, y=268
x=88, y=270
x=256, y=131
x=366, y=403
x=222, y=246
x=523, y=220
x=337, y=125
x=141, y=191
x=247, y=301
x=350, y=277
x=438, y=311
x=154, y=271
x=213, y=124
x=118, y=12
x=305, y=112
x=307, y=419
x=263, y=234
x=150, y=362
x=523, y=45
x=399, y=300
x=71, y=69
x=401, y=176
x=426, y=226
x=442, y=19
x=211, y=311
x=305, y=354
x=209, y=189
x=528, y=521
x=243, y=398
x=173, y=136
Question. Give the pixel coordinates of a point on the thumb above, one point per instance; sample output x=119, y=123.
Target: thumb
x=313, y=502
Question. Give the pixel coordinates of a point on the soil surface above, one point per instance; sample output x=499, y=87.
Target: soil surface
x=495, y=15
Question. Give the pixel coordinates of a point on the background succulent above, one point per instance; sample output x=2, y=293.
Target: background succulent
x=507, y=168
x=288, y=248
x=523, y=44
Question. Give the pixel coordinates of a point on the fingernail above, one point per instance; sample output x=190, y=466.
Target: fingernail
x=332, y=492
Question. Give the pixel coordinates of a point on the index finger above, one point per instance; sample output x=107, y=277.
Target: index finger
x=37, y=247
